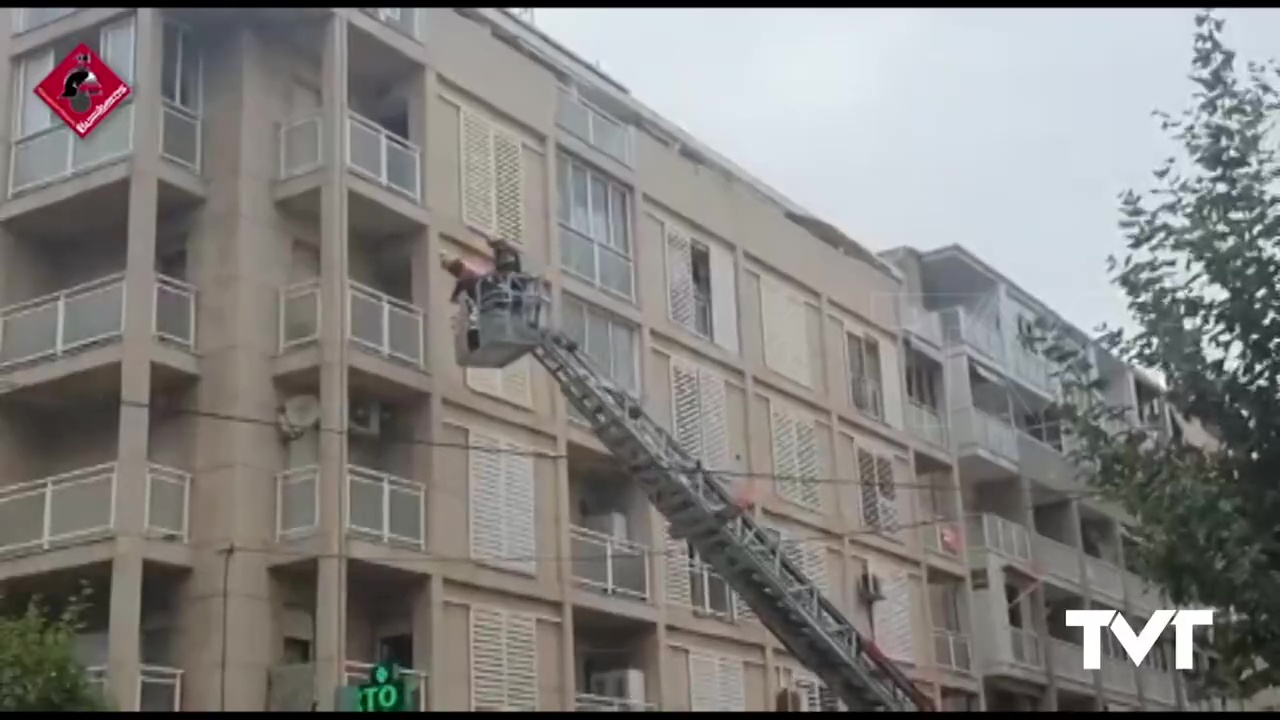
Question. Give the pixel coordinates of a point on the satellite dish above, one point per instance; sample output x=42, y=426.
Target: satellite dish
x=299, y=414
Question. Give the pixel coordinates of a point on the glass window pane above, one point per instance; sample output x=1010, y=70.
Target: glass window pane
x=624, y=356
x=598, y=341
x=189, y=90
x=599, y=209
x=563, y=188
x=619, y=236
x=575, y=321
x=577, y=254
x=36, y=116
x=579, y=199
x=169, y=64
x=117, y=49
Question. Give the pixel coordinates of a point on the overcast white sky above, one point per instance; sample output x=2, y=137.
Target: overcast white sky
x=1008, y=131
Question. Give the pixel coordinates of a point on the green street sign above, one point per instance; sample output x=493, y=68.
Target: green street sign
x=384, y=692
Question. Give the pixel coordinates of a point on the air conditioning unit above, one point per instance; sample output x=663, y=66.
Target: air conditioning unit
x=612, y=524
x=626, y=684
x=365, y=418
x=869, y=588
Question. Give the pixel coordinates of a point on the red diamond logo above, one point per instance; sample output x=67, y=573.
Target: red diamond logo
x=82, y=90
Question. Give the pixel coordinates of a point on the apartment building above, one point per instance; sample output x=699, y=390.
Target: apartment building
x=231, y=407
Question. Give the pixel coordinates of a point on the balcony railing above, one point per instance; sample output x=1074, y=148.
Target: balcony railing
x=299, y=314
x=1030, y=367
x=1025, y=648
x=952, y=650
x=58, y=510
x=943, y=537
x=180, y=136
x=708, y=592
x=385, y=507
x=925, y=324
x=406, y=20
x=1104, y=577
x=609, y=565
x=300, y=144
x=1057, y=559
x=56, y=152
x=168, y=502
x=159, y=687
x=384, y=325
x=960, y=325
x=599, y=703
x=174, y=312
x=1118, y=674
x=1158, y=685
x=415, y=681
x=1068, y=661
x=974, y=427
x=65, y=321
x=297, y=502
x=926, y=423
x=25, y=19
x=1143, y=596
x=1006, y=537
x=390, y=161
x=581, y=119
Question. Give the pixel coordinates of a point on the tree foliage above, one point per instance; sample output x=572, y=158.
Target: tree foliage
x=39, y=671
x=1202, y=283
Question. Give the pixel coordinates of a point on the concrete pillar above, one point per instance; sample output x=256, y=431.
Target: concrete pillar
x=331, y=605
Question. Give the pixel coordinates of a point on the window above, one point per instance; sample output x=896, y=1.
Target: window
x=595, y=229
x=180, y=70
x=716, y=684
x=693, y=584
x=611, y=344
x=701, y=288
x=698, y=413
x=582, y=120
x=492, y=178
x=922, y=382
x=504, y=660
x=891, y=618
x=795, y=457
x=879, y=494
x=785, y=328
x=866, y=384
x=30, y=18
x=513, y=383
x=502, y=503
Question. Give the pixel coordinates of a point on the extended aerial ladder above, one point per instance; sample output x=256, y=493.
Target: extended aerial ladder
x=505, y=315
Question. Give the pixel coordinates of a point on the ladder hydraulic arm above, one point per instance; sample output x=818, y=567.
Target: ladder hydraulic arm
x=697, y=506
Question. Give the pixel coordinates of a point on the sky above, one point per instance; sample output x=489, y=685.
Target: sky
x=1009, y=131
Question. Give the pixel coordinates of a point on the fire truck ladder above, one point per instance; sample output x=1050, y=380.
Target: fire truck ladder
x=698, y=508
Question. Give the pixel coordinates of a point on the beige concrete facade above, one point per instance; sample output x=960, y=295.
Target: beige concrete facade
x=261, y=222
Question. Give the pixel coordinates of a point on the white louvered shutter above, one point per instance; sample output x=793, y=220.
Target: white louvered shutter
x=797, y=340
x=679, y=590
x=742, y=611
x=773, y=324
x=810, y=494
x=810, y=693
x=715, y=425
x=888, y=494
x=892, y=618
x=508, y=189
x=486, y=497
x=488, y=381
x=731, y=684
x=814, y=555
x=522, y=662
x=488, y=659
x=784, y=452
x=517, y=381
x=868, y=485
x=478, y=201
x=686, y=413
x=704, y=683
x=520, y=526
x=680, y=298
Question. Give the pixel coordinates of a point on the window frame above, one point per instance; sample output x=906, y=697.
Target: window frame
x=614, y=323
x=183, y=41
x=566, y=164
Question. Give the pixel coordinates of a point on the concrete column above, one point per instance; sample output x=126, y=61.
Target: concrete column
x=123, y=651
x=331, y=605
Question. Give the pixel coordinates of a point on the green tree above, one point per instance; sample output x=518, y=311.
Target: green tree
x=1202, y=281
x=39, y=671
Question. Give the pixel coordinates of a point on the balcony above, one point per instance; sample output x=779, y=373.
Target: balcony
x=1024, y=648
x=705, y=592
x=951, y=649
x=299, y=314
x=297, y=502
x=55, y=152
x=1068, y=661
x=79, y=506
x=996, y=534
x=1031, y=368
x=180, y=136
x=1118, y=675
x=962, y=326
x=924, y=324
x=1158, y=685
x=300, y=147
x=159, y=687
x=1104, y=577
x=926, y=423
x=609, y=565
x=415, y=682
x=943, y=538
x=1143, y=596
x=86, y=315
x=385, y=159
x=383, y=325
x=1056, y=559
x=385, y=508
x=584, y=121
x=597, y=703
x=975, y=429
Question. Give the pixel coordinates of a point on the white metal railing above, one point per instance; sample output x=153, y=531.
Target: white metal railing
x=1025, y=648
x=97, y=677
x=299, y=314
x=1068, y=661
x=61, y=322
x=1058, y=559
x=56, y=152
x=1118, y=674
x=301, y=147
x=384, y=506
x=297, y=502
x=406, y=20
x=1158, y=685
x=25, y=19
x=59, y=509
x=962, y=326
x=159, y=689
x=416, y=681
x=168, y=502
x=708, y=592
x=1006, y=537
x=951, y=650
x=926, y=423
x=383, y=157
x=173, y=312
x=986, y=431
x=1104, y=577
x=589, y=124
x=867, y=395
x=1030, y=366
x=180, y=139
x=610, y=565
x=384, y=325
x=584, y=702
x=925, y=324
